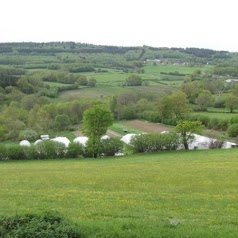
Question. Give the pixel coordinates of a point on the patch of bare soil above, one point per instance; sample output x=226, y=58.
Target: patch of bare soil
x=147, y=126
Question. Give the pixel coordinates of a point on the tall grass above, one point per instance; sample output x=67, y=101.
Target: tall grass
x=177, y=194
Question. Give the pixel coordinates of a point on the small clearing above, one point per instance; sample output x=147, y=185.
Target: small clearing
x=147, y=126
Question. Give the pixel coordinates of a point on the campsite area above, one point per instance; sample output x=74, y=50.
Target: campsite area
x=157, y=189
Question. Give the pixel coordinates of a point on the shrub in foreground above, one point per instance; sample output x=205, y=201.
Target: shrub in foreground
x=48, y=225
x=15, y=152
x=3, y=152
x=111, y=146
x=233, y=130
x=50, y=150
x=155, y=142
x=74, y=150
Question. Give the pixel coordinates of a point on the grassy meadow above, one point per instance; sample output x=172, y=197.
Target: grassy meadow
x=110, y=83
x=175, y=194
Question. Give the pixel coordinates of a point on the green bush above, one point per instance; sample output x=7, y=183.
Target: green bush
x=50, y=150
x=233, y=130
x=155, y=142
x=171, y=141
x=75, y=150
x=15, y=152
x=29, y=135
x=234, y=120
x=49, y=225
x=213, y=124
x=171, y=121
x=218, y=124
x=111, y=146
x=203, y=119
x=29, y=152
x=3, y=152
x=151, y=116
x=223, y=124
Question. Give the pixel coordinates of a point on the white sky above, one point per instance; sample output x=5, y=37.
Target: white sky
x=161, y=23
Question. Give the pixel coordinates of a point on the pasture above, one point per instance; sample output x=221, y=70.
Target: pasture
x=175, y=194
x=111, y=82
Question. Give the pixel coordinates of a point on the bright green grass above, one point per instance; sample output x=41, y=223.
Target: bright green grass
x=107, y=91
x=120, y=127
x=218, y=115
x=156, y=70
x=55, y=84
x=177, y=194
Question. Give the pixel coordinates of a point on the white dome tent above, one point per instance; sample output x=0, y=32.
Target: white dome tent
x=63, y=140
x=127, y=138
x=25, y=143
x=81, y=140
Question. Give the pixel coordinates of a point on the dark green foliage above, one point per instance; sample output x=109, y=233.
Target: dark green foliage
x=172, y=121
x=50, y=92
x=155, y=142
x=214, y=123
x=111, y=146
x=82, y=80
x=29, y=135
x=96, y=121
x=62, y=122
x=233, y=130
x=229, y=70
x=7, y=80
x=223, y=124
x=204, y=120
x=151, y=116
x=3, y=152
x=219, y=102
x=234, y=120
x=81, y=68
x=49, y=225
x=92, y=82
x=186, y=129
x=50, y=150
x=74, y=150
x=133, y=80
x=15, y=152
x=30, y=152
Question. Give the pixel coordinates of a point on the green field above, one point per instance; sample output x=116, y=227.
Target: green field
x=223, y=114
x=175, y=194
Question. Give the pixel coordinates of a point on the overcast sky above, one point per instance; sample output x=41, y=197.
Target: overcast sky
x=160, y=23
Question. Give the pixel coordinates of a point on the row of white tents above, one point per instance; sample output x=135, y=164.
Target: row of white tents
x=199, y=142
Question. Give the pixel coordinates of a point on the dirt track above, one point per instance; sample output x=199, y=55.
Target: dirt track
x=147, y=126
x=141, y=125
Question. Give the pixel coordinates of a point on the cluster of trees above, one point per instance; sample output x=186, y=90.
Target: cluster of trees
x=39, y=115
x=14, y=87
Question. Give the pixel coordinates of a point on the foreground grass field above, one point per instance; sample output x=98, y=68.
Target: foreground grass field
x=177, y=194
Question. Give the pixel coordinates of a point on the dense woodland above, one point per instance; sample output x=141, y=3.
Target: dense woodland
x=46, y=87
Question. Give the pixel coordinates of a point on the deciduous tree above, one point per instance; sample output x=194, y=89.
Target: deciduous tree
x=96, y=121
x=186, y=129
